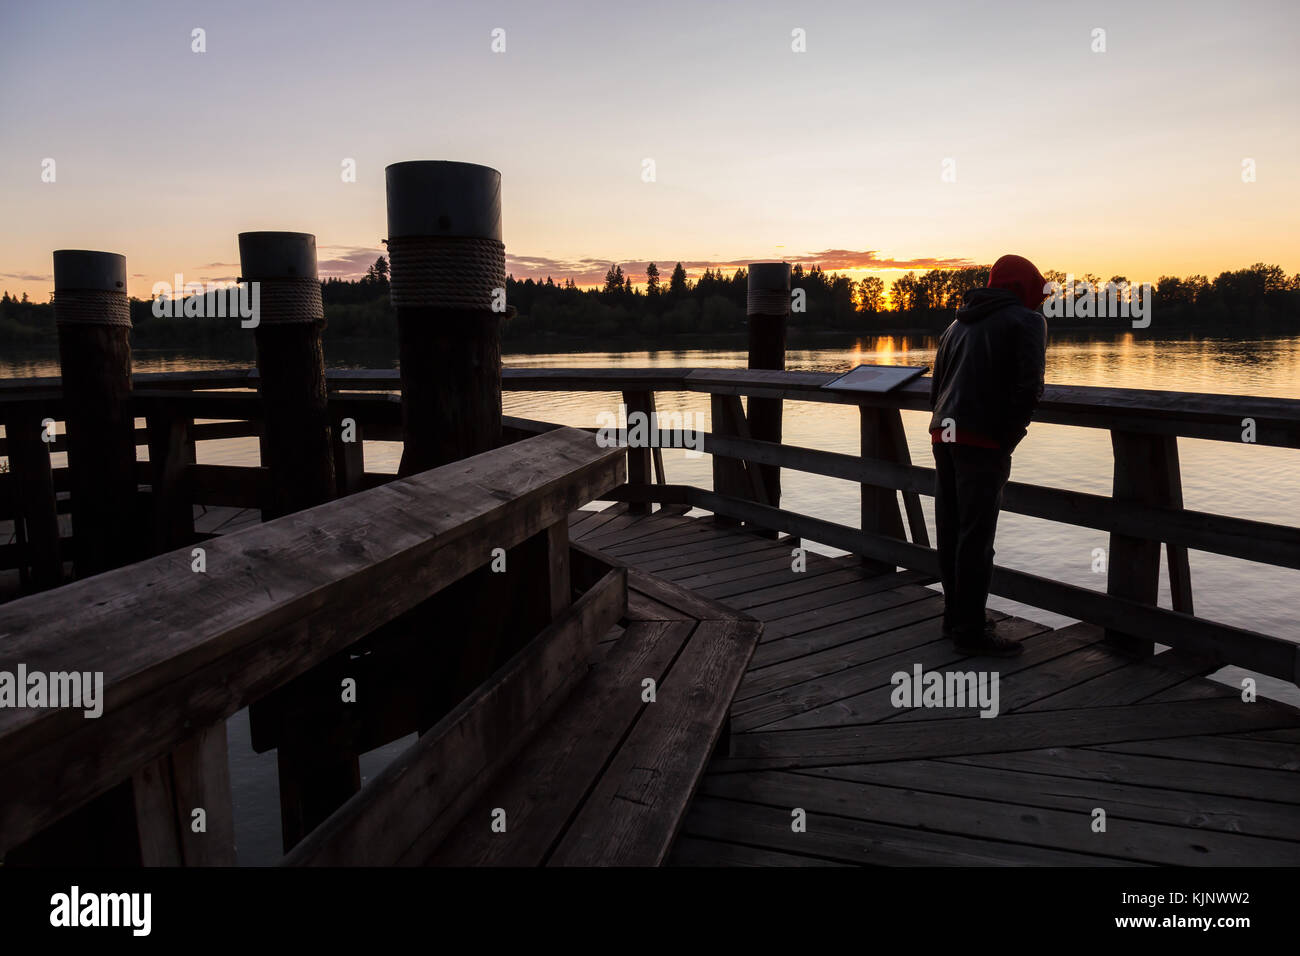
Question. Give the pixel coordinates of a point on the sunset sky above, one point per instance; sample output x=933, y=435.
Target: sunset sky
x=1123, y=162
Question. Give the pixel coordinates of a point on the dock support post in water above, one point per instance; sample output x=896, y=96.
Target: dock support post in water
x=290, y=368
x=448, y=274
x=94, y=329
x=145, y=819
x=317, y=770
x=448, y=278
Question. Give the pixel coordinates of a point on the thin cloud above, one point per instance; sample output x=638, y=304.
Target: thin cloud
x=347, y=262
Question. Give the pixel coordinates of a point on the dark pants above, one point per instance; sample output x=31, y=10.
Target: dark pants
x=967, y=499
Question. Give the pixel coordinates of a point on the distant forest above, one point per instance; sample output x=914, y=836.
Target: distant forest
x=1240, y=303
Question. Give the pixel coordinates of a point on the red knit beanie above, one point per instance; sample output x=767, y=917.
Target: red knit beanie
x=1017, y=274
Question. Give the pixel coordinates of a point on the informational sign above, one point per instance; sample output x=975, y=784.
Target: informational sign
x=876, y=378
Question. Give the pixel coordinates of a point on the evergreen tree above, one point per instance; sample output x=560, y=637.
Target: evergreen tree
x=677, y=282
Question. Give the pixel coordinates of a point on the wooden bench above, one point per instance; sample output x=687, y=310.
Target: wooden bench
x=539, y=769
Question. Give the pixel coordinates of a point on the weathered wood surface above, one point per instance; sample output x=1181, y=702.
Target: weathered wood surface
x=609, y=780
x=1222, y=642
x=1187, y=772
x=407, y=810
x=182, y=649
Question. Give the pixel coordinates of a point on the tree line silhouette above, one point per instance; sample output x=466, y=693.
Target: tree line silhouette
x=1239, y=302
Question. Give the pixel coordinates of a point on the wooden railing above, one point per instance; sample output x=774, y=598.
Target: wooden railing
x=182, y=646
x=1144, y=512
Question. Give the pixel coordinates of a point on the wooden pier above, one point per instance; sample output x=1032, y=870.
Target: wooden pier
x=1185, y=771
x=672, y=678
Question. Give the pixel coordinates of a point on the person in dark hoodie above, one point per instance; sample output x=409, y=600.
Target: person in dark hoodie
x=988, y=379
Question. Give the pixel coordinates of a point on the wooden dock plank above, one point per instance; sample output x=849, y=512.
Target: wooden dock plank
x=899, y=740
x=864, y=695
x=1142, y=770
x=787, y=675
x=891, y=608
x=1126, y=685
x=1229, y=751
x=1188, y=774
x=1005, y=819
x=864, y=842
x=805, y=585
x=1179, y=808
x=695, y=851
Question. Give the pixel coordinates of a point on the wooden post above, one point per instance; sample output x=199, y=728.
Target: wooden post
x=1146, y=471
x=318, y=770
x=36, y=516
x=447, y=275
x=880, y=512
x=349, y=456
x=447, y=263
x=639, y=459
x=281, y=270
x=768, y=310
x=729, y=476
x=184, y=809
x=94, y=328
x=169, y=455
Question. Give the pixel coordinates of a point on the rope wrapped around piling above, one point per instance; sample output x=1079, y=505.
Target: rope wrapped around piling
x=286, y=301
x=447, y=272
x=767, y=302
x=91, y=307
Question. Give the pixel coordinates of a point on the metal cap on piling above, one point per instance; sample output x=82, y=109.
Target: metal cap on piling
x=277, y=255
x=90, y=288
x=281, y=270
x=430, y=197
x=78, y=269
x=444, y=236
x=769, y=288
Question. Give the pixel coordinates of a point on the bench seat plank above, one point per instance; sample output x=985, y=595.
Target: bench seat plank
x=634, y=813
x=550, y=779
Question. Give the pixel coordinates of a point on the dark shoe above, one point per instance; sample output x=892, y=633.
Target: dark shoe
x=988, y=643
x=947, y=633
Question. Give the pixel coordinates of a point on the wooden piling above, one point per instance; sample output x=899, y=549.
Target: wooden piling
x=318, y=770
x=447, y=263
x=447, y=274
x=290, y=367
x=94, y=328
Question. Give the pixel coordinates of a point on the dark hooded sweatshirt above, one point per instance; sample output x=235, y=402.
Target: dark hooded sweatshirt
x=988, y=372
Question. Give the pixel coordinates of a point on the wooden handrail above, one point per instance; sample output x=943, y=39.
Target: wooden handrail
x=1135, y=517
x=180, y=650
x=1188, y=414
